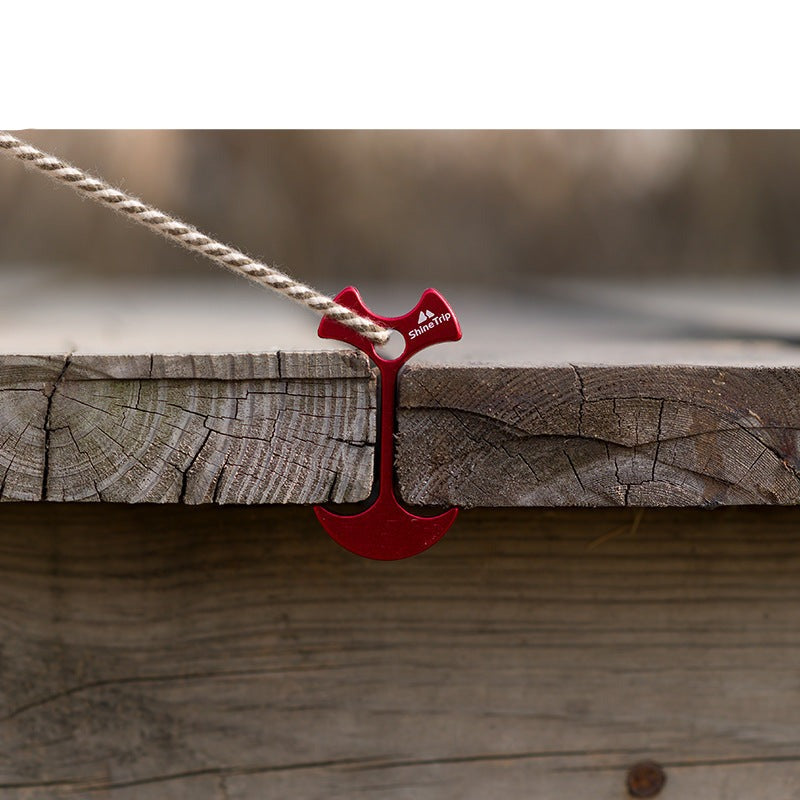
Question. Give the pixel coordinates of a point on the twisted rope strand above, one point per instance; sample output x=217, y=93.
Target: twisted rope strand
x=192, y=239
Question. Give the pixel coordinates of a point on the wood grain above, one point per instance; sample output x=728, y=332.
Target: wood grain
x=675, y=435
x=266, y=428
x=300, y=428
x=205, y=653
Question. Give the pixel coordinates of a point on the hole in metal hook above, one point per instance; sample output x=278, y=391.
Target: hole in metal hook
x=394, y=346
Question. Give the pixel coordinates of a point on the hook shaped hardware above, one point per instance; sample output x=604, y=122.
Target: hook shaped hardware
x=386, y=531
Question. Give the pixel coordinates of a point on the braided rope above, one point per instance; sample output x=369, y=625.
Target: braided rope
x=189, y=237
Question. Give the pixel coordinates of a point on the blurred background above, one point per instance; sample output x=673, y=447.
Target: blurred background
x=336, y=207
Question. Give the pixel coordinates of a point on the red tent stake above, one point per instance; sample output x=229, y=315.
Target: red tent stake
x=386, y=530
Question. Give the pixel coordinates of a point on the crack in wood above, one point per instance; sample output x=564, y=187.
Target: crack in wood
x=149, y=439
x=636, y=436
x=47, y=430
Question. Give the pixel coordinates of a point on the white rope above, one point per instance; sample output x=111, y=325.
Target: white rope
x=189, y=237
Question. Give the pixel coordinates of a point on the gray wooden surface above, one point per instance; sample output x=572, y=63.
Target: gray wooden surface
x=267, y=428
x=171, y=653
x=60, y=310
x=656, y=395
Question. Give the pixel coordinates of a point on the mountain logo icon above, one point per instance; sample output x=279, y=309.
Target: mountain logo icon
x=423, y=316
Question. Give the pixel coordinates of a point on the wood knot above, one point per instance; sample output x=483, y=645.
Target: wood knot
x=645, y=779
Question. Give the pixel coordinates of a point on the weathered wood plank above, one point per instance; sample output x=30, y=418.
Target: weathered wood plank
x=652, y=429
x=301, y=428
x=266, y=428
x=231, y=653
x=599, y=436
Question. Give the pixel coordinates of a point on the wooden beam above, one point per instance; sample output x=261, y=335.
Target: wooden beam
x=300, y=428
x=600, y=436
x=204, y=653
x=678, y=396
x=266, y=428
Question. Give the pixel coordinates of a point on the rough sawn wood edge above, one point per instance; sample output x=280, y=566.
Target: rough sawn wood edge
x=230, y=429
x=300, y=428
x=672, y=435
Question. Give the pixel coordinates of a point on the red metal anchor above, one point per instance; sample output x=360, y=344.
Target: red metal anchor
x=387, y=531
